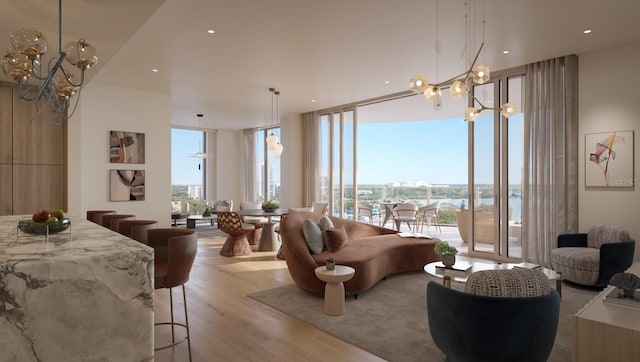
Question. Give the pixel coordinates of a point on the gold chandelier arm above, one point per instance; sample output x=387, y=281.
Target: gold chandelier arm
x=463, y=75
x=67, y=77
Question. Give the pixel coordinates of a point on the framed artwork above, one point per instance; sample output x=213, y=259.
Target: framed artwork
x=609, y=159
x=126, y=147
x=127, y=185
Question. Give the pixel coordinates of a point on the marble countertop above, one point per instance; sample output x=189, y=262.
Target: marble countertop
x=83, y=238
x=85, y=294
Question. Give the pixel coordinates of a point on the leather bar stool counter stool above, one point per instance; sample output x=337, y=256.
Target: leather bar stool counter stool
x=174, y=250
x=95, y=216
x=136, y=229
x=111, y=221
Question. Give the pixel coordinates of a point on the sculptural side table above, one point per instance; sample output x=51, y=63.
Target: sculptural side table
x=334, y=289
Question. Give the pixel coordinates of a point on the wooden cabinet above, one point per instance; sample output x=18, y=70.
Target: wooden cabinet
x=32, y=157
x=607, y=332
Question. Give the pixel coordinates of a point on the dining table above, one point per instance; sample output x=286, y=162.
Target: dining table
x=83, y=294
x=269, y=240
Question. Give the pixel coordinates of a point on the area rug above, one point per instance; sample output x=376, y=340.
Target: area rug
x=390, y=319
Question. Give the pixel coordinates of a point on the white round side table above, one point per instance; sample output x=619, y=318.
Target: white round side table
x=334, y=289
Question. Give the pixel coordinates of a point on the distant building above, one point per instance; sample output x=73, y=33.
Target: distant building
x=195, y=191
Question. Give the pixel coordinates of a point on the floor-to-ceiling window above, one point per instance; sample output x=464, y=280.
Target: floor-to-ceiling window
x=267, y=167
x=188, y=170
x=406, y=150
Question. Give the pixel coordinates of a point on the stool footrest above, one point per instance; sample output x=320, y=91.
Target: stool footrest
x=174, y=343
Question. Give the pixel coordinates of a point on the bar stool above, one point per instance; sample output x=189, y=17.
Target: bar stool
x=136, y=229
x=111, y=220
x=95, y=216
x=174, y=250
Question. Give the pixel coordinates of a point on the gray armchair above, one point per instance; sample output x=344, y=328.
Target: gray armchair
x=592, y=258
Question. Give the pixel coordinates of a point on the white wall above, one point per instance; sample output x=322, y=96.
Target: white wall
x=105, y=108
x=608, y=102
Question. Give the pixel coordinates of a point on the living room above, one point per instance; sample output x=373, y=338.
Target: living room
x=606, y=98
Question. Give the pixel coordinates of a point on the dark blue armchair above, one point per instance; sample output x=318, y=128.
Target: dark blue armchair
x=469, y=327
x=592, y=258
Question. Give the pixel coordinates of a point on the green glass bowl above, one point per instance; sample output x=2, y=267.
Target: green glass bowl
x=40, y=228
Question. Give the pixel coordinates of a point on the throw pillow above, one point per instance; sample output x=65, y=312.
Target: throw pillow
x=335, y=239
x=325, y=223
x=313, y=236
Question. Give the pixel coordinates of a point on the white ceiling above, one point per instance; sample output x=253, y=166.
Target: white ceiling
x=333, y=51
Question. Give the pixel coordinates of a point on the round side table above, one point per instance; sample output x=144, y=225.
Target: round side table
x=334, y=289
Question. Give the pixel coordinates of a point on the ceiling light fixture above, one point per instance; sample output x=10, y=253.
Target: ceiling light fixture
x=461, y=84
x=201, y=151
x=272, y=139
x=278, y=148
x=50, y=85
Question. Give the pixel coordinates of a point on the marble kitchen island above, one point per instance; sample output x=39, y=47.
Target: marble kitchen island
x=85, y=295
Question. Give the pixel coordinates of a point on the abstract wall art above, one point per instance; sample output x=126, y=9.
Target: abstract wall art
x=609, y=159
x=127, y=185
x=126, y=147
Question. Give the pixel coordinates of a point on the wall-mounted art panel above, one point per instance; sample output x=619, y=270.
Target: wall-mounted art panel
x=609, y=159
x=126, y=147
x=127, y=185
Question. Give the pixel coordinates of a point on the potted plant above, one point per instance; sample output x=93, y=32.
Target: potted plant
x=270, y=206
x=447, y=253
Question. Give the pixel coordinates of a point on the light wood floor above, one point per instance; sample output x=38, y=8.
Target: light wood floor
x=226, y=325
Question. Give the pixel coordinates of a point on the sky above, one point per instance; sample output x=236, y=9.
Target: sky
x=184, y=169
x=433, y=151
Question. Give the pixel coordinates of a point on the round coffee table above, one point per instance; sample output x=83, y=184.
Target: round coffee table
x=461, y=276
x=334, y=289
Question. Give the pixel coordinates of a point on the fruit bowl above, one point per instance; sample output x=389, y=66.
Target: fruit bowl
x=40, y=228
x=270, y=206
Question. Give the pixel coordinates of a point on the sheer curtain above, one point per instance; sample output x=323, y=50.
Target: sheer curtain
x=550, y=187
x=250, y=193
x=311, y=158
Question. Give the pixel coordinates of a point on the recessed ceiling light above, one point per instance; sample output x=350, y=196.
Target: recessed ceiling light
x=313, y=101
x=387, y=82
x=211, y=31
x=587, y=31
x=506, y=51
x=154, y=70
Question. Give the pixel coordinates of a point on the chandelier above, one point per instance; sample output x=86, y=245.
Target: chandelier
x=273, y=144
x=47, y=85
x=461, y=85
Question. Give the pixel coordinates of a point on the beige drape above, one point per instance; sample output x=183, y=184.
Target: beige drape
x=311, y=157
x=250, y=193
x=550, y=186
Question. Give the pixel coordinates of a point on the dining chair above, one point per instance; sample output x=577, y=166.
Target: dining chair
x=237, y=242
x=366, y=212
x=429, y=213
x=405, y=212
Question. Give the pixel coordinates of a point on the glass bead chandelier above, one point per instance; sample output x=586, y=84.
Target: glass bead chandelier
x=49, y=85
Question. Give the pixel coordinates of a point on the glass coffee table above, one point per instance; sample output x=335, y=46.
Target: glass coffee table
x=459, y=275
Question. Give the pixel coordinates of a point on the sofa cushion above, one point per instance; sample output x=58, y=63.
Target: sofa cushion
x=512, y=283
x=313, y=236
x=602, y=234
x=335, y=239
x=579, y=265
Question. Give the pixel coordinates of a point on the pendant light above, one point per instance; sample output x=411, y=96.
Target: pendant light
x=278, y=148
x=272, y=139
x=201, y=154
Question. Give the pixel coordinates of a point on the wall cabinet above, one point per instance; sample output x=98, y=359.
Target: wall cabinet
x=32, y=157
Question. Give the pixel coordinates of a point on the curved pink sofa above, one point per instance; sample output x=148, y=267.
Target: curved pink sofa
x=374, y=252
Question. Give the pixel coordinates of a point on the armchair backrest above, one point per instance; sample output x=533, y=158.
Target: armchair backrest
x=230, y=222
x=250, y=205
x=468, y=327
x=604, y=234
x=405, y=210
